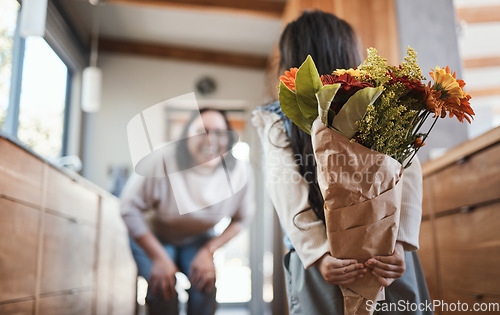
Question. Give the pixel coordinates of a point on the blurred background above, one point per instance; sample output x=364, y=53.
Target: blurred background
x=225, y=51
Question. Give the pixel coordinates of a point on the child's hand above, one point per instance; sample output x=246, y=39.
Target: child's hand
x=340, y=271
x=388, y=268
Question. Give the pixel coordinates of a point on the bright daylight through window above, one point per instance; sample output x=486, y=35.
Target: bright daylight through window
x=43, y=99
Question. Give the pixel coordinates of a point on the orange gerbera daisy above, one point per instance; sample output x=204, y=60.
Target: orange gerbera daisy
x=447, y=84
x=289, y=78
x=447, y=95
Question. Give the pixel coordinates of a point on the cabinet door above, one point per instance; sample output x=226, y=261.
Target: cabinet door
x=109, y=213
x=427, y=256
x=76, y=303
x=17, y=308
x=68, y=254
x=469, y=304
x=472, y=182
x=124, y=277
x=469, y=251
x=18, y=249
x=20, y=174
x=71, y=198
x=427, y=200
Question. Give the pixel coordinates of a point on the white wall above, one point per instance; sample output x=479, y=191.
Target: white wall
x=132, y=84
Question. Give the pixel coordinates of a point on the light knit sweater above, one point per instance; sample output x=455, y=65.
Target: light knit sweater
x=188, y=203
x=289, y=191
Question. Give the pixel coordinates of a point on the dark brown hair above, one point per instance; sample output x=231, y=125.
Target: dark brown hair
x=332, y=44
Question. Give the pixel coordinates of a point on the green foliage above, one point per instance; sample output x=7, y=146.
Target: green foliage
x=386, y=117
x=307, y=83
x=302, y=106
x=354, y=110
x=325, y=97
x=410, y=66
x=290, y=107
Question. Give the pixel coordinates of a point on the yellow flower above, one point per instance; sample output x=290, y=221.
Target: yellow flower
x=447, y=96
x=446, y=83
x=352, y=72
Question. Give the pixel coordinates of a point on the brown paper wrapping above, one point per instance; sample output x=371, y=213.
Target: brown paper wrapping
x=362, y=193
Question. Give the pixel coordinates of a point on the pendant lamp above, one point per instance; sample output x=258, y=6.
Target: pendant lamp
x=92, y=75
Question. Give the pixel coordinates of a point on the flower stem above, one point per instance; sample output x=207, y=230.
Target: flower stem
x=423, y=140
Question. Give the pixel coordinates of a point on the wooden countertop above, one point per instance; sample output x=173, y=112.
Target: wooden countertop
x=67, y=172
x=462, y=151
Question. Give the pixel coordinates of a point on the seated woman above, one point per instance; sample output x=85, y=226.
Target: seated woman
x=187, y=204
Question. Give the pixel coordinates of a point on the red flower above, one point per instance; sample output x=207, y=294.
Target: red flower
x=348, y=86
x=414, y=85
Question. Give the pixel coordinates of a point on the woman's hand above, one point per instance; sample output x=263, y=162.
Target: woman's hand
x=202, y=271
x=340, y=271
x=163, y=277
x=388, y=268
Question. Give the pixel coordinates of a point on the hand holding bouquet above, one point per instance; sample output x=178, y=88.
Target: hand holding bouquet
x=365, y=123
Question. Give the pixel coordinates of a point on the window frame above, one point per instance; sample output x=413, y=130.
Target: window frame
x=62, y=39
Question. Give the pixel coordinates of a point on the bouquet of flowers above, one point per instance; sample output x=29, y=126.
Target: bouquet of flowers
x=365, y=124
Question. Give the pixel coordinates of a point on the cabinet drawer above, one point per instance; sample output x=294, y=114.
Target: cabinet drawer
x=469, y=249
x=427, y=202
x=17, y=308
x=486, y=304
x=78, y=303
x=20, y=173
x=68, y=254
x=71, y=198
x=427, y=257
x=110, y=214
x=480, y=174
x=18, y=249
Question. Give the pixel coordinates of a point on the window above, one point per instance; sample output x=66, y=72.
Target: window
x=480, y=53
x=43, y=99
x=33, y=86
x=8, y=19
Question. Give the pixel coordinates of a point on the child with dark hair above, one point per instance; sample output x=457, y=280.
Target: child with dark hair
x=313, y=273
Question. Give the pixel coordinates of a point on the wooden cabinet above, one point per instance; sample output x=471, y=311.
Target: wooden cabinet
x=63, y=246
x=20, y=174
x=470, y=181
x=105, y=259
x=116, y=289
x=469, y=251
x=19, y=242
x=459, y=238
x=123, y=289
x=69, y=254
x=427, y=257
x=74, y=303
x=70, y=198
x=17, y=308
